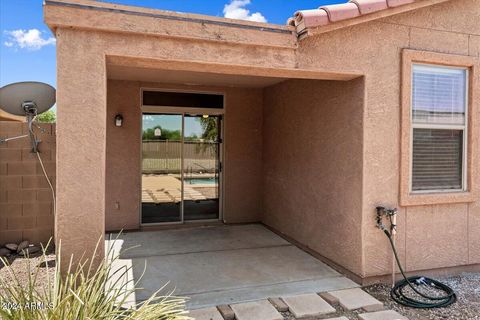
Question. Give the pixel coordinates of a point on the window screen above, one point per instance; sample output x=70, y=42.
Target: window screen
x=438, y=127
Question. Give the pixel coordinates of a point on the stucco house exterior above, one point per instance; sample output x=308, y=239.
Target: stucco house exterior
x=344, y=108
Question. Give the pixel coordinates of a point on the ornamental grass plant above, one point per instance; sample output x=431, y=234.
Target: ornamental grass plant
x=87, y=290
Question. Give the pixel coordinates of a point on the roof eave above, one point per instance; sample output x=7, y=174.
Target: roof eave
x=303, y=32
x=107, y=17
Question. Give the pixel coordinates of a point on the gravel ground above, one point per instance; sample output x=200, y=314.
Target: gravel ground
x=21, y=267
x=467, y=307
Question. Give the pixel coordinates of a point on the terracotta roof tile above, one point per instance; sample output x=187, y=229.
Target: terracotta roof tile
x=396, y=3
x=337, y=12
x=312, y=18
x=369, y=6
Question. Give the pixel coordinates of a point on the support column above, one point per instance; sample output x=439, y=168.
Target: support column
x=81, y=146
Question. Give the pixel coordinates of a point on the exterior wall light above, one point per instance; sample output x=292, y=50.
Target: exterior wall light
x=118, y=120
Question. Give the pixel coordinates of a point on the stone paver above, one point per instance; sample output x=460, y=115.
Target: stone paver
x=339, y=318
x=256, y=310
x=382, y=315
x=279, y=304
x=206, y=314
x=308, y=305
x=226, y=312
x=373, y=308
x=356, y=298
x=329, y=298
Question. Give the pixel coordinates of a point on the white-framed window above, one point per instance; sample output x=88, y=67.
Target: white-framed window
x=439, y=118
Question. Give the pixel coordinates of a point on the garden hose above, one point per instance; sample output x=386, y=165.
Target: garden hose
x=397, y=293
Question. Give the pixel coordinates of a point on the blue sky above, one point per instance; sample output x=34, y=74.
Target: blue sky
x=27, y=48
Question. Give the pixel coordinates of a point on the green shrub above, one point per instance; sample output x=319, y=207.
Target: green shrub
x=85, y=292
x=49, y=117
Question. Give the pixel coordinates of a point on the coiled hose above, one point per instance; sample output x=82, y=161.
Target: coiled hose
x=397, y=293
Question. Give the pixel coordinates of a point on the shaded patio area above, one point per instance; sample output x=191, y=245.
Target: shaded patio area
x=223, y=264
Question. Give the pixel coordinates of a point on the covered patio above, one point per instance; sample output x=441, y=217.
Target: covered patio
x=222, y=265
x=232, y=257
x=288, y=152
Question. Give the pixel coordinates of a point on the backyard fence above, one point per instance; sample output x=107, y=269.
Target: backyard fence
x=26, y=208
x=165, y=156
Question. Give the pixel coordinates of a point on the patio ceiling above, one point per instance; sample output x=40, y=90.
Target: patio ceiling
x=189, y=77
x=214, y=74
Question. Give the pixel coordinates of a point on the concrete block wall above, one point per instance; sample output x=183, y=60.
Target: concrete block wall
x=26, y=206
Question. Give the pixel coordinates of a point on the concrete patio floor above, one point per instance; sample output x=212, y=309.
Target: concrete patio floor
x=223, y=265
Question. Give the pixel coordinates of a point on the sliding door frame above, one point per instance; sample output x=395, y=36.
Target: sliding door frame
x=182, y=111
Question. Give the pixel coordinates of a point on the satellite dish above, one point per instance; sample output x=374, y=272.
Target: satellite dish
x=27, y=98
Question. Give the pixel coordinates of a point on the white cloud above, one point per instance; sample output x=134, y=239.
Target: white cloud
x=236, y=10
x=27, y=39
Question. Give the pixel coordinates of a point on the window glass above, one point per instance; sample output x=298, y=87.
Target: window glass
x=438, y=95
x=437, y=159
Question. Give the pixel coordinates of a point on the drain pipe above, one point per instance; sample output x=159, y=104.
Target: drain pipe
x=392, y=216
x=394, y=237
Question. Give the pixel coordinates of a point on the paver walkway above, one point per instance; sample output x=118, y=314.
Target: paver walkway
x=348, y=304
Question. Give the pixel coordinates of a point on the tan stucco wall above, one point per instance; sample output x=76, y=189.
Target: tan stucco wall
x=313, y=166
x=449, y=231
x=375, y=50
x=432, y=236
x=123, y=181
x=81, y=147
x=242, y=153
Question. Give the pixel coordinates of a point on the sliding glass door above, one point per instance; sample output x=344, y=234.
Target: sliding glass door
x=201, y=164
x=161, y=168
x=180, y=167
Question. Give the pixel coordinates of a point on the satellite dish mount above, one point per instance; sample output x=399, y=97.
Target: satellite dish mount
x=31, y=113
